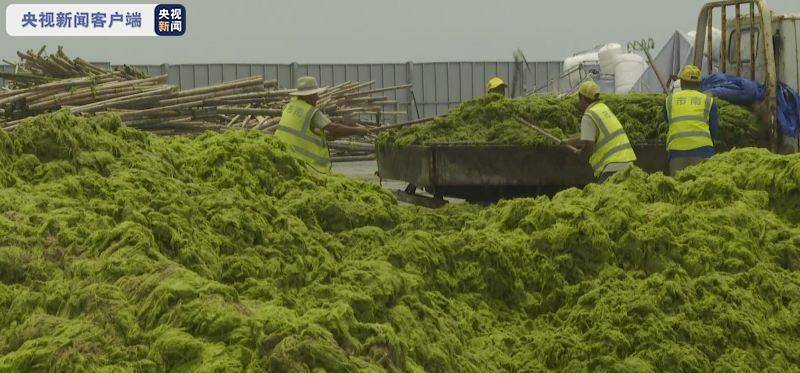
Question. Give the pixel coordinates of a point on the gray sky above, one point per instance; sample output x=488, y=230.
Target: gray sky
x=328, y=31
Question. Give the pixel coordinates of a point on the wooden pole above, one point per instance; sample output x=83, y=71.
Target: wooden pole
x=738, y=42
x=753, y=47
x=723, y=49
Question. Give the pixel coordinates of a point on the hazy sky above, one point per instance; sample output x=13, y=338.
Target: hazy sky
x=338, y=31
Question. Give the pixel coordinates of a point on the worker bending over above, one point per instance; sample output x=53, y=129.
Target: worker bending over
x=693, y=122
x=306, y=129
x=602, y=135
x=496, y=85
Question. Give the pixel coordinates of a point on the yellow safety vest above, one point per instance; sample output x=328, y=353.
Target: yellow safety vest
x=688, y=113
x=295, y=130
x=612, y=144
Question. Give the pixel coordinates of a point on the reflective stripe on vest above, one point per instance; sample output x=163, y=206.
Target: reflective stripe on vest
x=295, y=130
x=612, y=144
x=688, y=113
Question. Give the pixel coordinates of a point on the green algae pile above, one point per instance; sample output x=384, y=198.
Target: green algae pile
x=489, y=119
x=122, y=251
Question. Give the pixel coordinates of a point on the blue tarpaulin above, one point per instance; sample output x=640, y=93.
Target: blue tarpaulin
x=788, y=110
x=733, y=89
x=742, y=91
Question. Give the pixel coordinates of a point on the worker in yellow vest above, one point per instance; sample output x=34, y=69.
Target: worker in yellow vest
x=693, y=122
x=602, y=135
x=306, y=129
x=496, y=85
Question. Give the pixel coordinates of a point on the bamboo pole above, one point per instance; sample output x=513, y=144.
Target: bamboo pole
x=63, y=84
x=234, y=119
x=383, y=112
x=71, y=98
x=244, y=122
x=89, y=96
x=91, y=93
x=270, y=122
x=253, y=80
x=351, y=146
x=251, y=101
x=182, y=98
x=352, y=87
x=353, y=158
x=378, y=90
x=248, y=111
x=24, y=76
x=404, y=124
x=271, y=128
x=89, y=66
x=125, y=100
x=159, y=110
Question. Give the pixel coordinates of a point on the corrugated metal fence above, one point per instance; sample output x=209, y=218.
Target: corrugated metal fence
x=437, y=86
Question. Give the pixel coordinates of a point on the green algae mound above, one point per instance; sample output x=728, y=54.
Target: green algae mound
x=122, y=251
x=489, y=119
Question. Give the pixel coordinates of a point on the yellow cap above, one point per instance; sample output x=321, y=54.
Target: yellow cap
x=494, y=83
x=690, y=73
x=589, y=89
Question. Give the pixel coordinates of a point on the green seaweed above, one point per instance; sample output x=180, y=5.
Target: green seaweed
x=489, y=119
x=123, y=251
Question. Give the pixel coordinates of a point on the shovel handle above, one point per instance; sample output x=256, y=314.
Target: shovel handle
x=548, y=135
x=573, y=149
x=398, y=125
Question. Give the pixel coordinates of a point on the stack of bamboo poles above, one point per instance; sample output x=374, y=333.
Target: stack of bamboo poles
x=347, y=103
x=342, y=103
x=37, y=68
x=177, y=112
x=44, y=83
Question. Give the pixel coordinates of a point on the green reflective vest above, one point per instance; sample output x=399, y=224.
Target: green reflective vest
x=295, y=130
x=688, y=115
x=612, y=145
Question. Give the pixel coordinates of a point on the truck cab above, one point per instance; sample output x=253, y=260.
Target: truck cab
x=756, y=44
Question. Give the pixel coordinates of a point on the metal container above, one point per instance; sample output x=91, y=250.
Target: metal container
x=486, y=172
